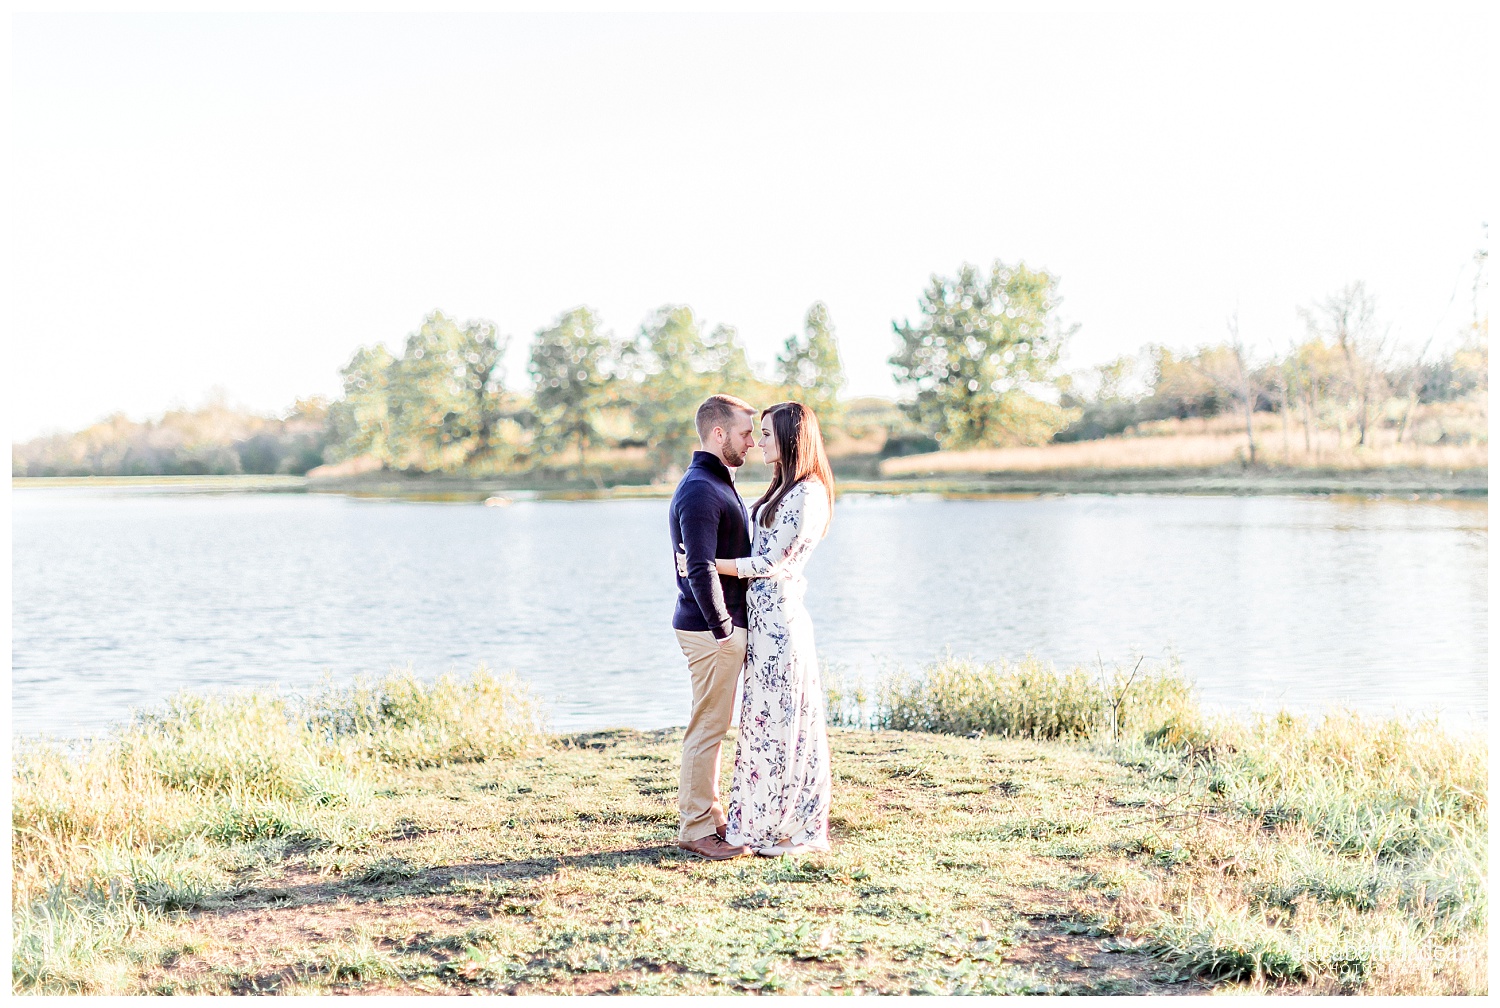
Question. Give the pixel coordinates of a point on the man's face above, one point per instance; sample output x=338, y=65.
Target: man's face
x=739, y=438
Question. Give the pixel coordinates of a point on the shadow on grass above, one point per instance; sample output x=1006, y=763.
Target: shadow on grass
x=436, y=881
x=609, y=737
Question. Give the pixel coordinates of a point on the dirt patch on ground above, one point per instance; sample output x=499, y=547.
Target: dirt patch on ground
x=1051, y=951
x=278, y=928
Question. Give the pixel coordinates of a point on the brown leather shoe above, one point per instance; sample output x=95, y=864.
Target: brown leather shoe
x=713, y=847
x=723, y=831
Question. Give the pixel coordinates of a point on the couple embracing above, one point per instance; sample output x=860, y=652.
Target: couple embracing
x=740, y=585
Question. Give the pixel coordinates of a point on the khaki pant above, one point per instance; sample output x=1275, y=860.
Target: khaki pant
x=714, y=671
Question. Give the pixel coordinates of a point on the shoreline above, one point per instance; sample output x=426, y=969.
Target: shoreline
x=1462, y=723
x=1470, y=484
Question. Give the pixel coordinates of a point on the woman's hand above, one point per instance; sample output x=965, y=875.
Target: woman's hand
x=728, y=568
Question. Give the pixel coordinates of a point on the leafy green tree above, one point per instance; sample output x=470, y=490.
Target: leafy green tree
x=809, y=369
x=674, y=367
x=446, y=394
x=725, y=359
x=981, y=340
x=437, y=407
x=571, y=364
x=359, y=423
x=481, y=350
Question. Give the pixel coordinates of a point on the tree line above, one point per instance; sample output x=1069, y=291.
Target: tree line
x=978, y=366
x=1346, y=375
x=443, y=404
x=212, y=439
x=982, y=342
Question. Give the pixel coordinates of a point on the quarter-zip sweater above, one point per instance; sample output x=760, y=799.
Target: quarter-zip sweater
x=708, y=519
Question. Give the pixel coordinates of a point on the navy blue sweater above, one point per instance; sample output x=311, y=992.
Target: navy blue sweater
x=708, y=517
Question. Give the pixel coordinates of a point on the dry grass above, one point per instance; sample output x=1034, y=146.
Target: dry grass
x=1203, y=445
x=206, y=771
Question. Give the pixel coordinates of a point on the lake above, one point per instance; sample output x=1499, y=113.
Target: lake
x=123, y=596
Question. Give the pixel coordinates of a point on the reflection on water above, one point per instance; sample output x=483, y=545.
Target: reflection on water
x=121, y=598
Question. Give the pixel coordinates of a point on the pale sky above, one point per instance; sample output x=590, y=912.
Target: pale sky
x=241, y=201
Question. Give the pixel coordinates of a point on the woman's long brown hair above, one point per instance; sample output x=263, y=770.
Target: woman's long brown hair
x=800, y=443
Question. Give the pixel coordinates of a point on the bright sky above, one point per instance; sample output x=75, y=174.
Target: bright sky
x=240, y=201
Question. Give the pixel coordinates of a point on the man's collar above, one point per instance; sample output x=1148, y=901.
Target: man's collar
x=714, y=464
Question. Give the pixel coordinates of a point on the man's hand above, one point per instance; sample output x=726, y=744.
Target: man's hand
x=681, y=556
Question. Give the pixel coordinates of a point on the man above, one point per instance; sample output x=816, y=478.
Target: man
x=708, y=520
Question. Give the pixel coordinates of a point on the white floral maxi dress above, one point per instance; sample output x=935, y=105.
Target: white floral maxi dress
x=778, y=801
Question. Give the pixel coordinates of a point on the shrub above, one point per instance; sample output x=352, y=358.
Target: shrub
x=403, y=721
x=249, y=743
x=1030, y=699
x=844, y=698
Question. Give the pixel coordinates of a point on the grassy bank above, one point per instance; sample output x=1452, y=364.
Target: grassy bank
x=1229, y=480
x=1186, y=455
x=1219, y=444
x=1000, y=829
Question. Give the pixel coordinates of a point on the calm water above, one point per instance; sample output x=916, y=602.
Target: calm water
x=121, y=598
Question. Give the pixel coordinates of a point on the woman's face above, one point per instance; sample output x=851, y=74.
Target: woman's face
x=767, y=442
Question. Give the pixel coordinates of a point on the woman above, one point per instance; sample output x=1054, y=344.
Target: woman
x=778, y=803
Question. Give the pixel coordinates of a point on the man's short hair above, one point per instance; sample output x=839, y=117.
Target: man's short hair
x=718, y=411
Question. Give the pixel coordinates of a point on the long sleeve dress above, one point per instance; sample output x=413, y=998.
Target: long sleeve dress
x=778, y=802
